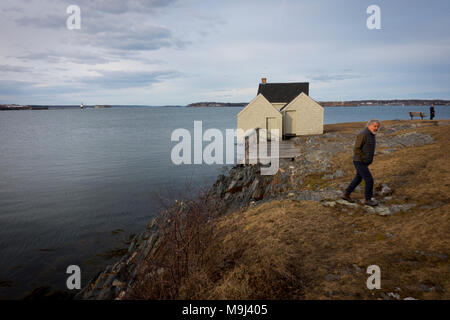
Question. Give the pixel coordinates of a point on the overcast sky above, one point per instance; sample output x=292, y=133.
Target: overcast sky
x=174, y=52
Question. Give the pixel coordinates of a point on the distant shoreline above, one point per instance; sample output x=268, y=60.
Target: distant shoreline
x=352, y=103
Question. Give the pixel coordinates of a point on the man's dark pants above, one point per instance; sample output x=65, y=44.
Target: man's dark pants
x=362, y=172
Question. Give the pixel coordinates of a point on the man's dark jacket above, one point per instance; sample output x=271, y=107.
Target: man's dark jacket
x=364, y=147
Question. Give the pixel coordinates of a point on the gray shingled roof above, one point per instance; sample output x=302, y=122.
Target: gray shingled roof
x=282, y=92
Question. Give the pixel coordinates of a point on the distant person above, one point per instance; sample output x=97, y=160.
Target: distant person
x=431, y=112
x=364, y=151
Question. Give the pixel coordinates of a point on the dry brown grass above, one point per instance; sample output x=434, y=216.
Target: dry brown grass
x=292, y=250
x=254, y=256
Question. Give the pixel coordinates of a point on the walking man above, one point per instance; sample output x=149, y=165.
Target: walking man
x=364, y=151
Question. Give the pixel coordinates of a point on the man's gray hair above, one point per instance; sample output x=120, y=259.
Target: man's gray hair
x=372, y=121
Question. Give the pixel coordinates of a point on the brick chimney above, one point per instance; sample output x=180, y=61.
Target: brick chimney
x=263, y=80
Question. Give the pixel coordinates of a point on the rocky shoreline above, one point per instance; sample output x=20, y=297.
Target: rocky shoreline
x=309, y=176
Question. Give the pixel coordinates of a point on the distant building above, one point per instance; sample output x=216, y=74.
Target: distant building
x=283, y=106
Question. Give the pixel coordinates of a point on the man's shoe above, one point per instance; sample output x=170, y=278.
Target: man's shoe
x=346, y=197
x=371, y=203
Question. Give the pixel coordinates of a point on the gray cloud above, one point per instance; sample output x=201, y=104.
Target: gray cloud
x=115, y=7
x=112, y=24
x=107, y=32
x=132, y=37
x=55, y=15
x=127, y=32
x=18, y=69
x=120, y=6
x=129, y=79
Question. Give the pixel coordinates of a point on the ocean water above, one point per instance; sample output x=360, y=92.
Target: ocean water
x=365, y=113
x=76, y=184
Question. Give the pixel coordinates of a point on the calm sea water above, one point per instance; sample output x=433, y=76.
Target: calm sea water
x=75, y=184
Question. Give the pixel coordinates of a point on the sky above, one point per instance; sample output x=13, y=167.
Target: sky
x=176, y=52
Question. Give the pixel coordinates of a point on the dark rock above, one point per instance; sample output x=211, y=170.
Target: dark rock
x=385, y=190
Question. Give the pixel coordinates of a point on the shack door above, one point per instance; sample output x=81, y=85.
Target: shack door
x=271, y=123
x=290, y=122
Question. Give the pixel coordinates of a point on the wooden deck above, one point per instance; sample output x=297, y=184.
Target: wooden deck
x=286, y=149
